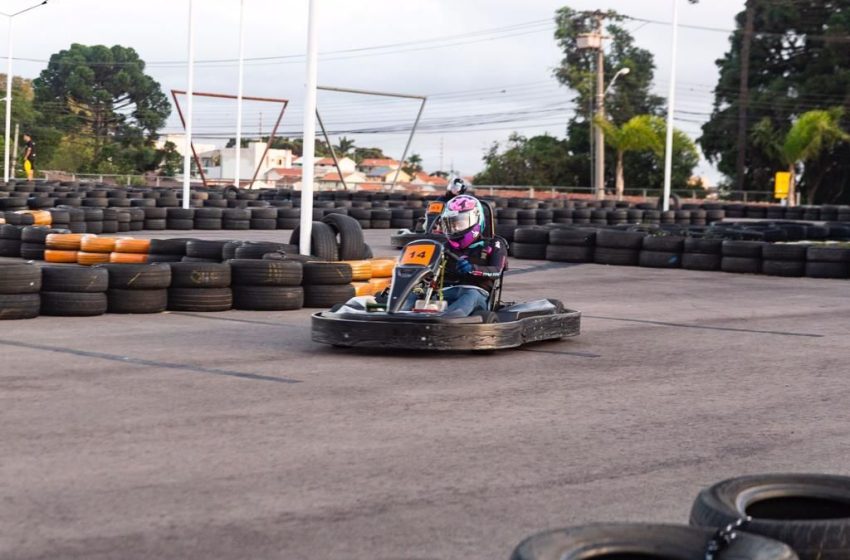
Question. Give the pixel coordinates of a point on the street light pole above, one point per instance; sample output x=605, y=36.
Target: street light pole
x=671, y=104
x=6, y=167
x=190, y=78
x=599, y=135
x=309, y=141
x=238, y=148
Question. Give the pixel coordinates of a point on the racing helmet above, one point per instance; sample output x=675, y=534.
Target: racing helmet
x=463, y=221
x=457, y=186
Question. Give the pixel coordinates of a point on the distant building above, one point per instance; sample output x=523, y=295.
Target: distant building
x=388, y=175
x=371, y=164
x=179, y=140
x=220, y=163
x=332, y=180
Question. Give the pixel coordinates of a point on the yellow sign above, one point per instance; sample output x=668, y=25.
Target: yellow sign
x=781, y=184
x=418, y=254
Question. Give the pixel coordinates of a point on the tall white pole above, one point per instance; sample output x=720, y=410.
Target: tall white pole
x=671, y=105
x=238, y=152
x=6, y=146
x=309, y=143
x=187, y=152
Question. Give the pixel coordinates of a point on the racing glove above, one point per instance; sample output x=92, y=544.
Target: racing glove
x=463, y=266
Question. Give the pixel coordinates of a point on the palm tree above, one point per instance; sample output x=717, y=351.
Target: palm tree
x=811, y=134
x=638, y=135
x=345, y=146
x=414, y=163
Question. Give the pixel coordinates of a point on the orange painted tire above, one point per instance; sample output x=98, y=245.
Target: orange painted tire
x=40, y=217
x=93, y=244
x=380, y=284
x=130, y=245
x=360, y=270
x=363, y=289
x=92, y=258
x=60, y=256
x=382, y=268
x=63, y=241
x=128, y=258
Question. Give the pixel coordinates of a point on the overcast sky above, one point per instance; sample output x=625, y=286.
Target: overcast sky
x=487, y=66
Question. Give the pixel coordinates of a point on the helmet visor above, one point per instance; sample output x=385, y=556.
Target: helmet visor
x=458, y=222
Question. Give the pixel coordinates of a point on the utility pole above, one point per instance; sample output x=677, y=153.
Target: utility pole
x=744, y=96
x=599, y=136
x=15, y=148
x=671, y=107
x=237, y=175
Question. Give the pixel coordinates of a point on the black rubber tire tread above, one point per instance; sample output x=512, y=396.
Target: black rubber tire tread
x=176, y=246
x=73, y=304
x=528, y=250
x=32, y=251
x=36, y=234
x=76, y=279
x=742, y=265
x=617, y=239
x=531, y=235
x=19, y=278
x=198, y=260
x=8, y=231
x=573, y=237
x=744, y=249
x=569, y=253
x=263, y=223
x=616, y=256
x=138, y=276
x=137, y=301
x=207, y=224
x=784, y=251
x=326, y=296
x=664, y=243
x=791, y=269
x=351, y=242
x=812, y=538
x=327, y=273
x=181, y=225
x=703, y=246
x=200, y=299
x=268, y=298
x=200, y=275
x=828, y=254
x=322, y=241
x=660, y=259
x=261, y=272
x=10, y=248
x=205, y=249
x=163, y=258
x=19, y=306
x=634, y=540
x=256, y=249
x=816, y=269
x=701, y=261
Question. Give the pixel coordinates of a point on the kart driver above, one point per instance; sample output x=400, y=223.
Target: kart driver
x=474, y=262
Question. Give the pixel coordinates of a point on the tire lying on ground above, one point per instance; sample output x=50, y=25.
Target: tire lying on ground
x=644, y=542
x=327, y=273
x=268, y=298
x=19, y=287
x=784, y=259
x=660, y=259
x=73, y=304
x=256, y=249
x=351, y=245
x=322, y=241
x=569, y=253
x=616, y=256
x=827, y=262
x=200, y=299
x=138, y=276
x=137, y=301
x=808, y=512
x=528, y=250
x=251, y=272
x=200, y=275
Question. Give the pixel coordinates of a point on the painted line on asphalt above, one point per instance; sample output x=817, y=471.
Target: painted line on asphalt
x=152, y=363
x=233, y=320
x=562, y=352
x=706, y=327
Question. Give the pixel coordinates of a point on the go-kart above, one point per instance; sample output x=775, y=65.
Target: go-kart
x=388, y=323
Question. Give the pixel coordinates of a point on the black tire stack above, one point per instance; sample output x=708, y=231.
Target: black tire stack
x=202, y=250
x=200, y=286
x=784, y=259
x=828, y=262
x=662, y=251
x=10, y=240
x=571, y=245
x=74, y=291
x=138, y=288
x=167, y=250
x=702, y=254
x=266, y=285
x=20, y=284
x=179, y=218
x=741, y=256
x=617, y=247
x=208, y=218
x=236, y=218
x=529, y=242
x=327, y=284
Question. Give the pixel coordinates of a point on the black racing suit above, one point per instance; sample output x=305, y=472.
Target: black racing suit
x=489, y=257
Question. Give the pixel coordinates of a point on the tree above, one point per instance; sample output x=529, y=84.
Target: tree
x=638, y=134
x=540, y=160
x=368, y=153
x=103, y=92
x=413, y=164
x=344, y=147
x=812, y=134
x=799, y=61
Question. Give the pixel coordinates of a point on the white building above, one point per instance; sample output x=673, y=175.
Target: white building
x=179, y=140
x=220, y=163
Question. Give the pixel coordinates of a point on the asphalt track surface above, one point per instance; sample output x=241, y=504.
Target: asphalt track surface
x=232, y=435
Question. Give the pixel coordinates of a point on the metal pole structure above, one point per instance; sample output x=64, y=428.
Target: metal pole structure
x=190, y=78
x=591, y=133
x=8, y=103
x=599, y=172
x=409, y=141
x=331, y=148
x=309, y=141
x=671, y=105
x=238, y=150
x=15, y=147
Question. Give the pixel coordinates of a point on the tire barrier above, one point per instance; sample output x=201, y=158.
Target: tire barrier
x=734, y=250
x=20, y=284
